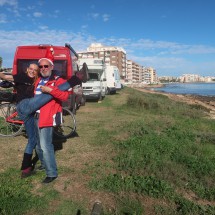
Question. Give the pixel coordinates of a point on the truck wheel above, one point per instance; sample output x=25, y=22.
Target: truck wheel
x=100, y=97
x=108, y=91
x=83, y=100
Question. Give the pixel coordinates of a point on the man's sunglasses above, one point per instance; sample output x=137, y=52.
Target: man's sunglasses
x=45, y=66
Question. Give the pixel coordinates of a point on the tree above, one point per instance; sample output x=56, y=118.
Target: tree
x=1, y=62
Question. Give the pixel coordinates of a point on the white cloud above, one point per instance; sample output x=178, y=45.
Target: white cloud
x=166, y=57
x=29, y=8
x=163, y=47
x=94, y=15
x=84, y=26
x=105, y=17
x=37, y=14
x=11, y=6
x=3, y=18
x=8, y=44
x=43, y=27
x=160, y=62
x=8, y=2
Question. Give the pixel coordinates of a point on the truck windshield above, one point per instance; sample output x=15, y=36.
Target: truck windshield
x=60, y=66
x=93, y=76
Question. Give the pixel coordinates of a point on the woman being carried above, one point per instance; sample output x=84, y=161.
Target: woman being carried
x=24, y=86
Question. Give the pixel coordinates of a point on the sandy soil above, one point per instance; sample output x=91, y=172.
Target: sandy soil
x=205, y=101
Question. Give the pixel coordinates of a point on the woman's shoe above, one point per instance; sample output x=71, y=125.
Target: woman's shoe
x=82, y=74
x=26, y=172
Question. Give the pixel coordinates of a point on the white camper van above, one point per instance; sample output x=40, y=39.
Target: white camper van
x=113, y=79
x=95, y=87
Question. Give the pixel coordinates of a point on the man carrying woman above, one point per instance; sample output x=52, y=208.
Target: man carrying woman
x=50, y=91
x=27, y=104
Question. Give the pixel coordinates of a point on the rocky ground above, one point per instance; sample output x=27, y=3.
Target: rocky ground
x=206, y=101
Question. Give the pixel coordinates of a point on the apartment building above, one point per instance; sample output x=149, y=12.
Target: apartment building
x=189, y=78
x=138, y=74
x=133, y=72
x=152, y=74
x=114, y=56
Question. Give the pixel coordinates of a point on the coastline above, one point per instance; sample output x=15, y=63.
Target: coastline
x=154, y=86
x=205, y=101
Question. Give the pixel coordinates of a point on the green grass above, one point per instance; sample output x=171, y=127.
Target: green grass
x=150, y=155
x=167, y=150
x=16, y=197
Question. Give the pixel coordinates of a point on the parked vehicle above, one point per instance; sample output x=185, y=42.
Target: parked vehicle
x=96, y=87
x=113, y=79
x=65, y=64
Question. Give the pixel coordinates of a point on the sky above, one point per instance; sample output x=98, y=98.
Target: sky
x=175, y=37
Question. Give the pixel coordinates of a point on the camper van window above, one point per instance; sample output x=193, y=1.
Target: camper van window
x=60, y=66
x=23, y=64
x=98, y=61
x=94, y=77
x=74, y=60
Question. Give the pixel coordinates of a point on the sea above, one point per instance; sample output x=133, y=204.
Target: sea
x=203, y=89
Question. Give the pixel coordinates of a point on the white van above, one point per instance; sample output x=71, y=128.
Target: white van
x=95, y=88
x=113, y=79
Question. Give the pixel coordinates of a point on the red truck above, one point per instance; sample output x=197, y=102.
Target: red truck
x=65, y=64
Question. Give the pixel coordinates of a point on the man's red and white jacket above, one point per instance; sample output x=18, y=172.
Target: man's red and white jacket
x=51, y=113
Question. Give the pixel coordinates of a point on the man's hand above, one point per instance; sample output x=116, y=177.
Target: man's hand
x=46, y=89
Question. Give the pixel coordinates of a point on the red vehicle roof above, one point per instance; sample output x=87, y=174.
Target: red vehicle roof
x=65, y=58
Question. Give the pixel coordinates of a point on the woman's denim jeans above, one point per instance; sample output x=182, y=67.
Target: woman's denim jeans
x=45, y=150
x=32, y=135
x=29, y=106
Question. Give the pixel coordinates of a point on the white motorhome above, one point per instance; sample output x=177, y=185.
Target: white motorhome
x=95, y=87
x=113, y=79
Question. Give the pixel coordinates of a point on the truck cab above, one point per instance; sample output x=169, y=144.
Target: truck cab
x=65, y=63
x=95, y=88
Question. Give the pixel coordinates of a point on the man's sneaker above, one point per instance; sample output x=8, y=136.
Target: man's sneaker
x=82, y=74
x=48, y=180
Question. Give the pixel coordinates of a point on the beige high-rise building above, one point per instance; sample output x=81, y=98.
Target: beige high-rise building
x=114, y=56
x=133, y=72
x=138, y=74
x=151, y=72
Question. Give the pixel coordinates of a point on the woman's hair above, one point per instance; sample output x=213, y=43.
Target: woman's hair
x=38, y=70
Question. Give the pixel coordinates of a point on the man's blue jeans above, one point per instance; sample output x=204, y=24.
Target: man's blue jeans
x=45, y=150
